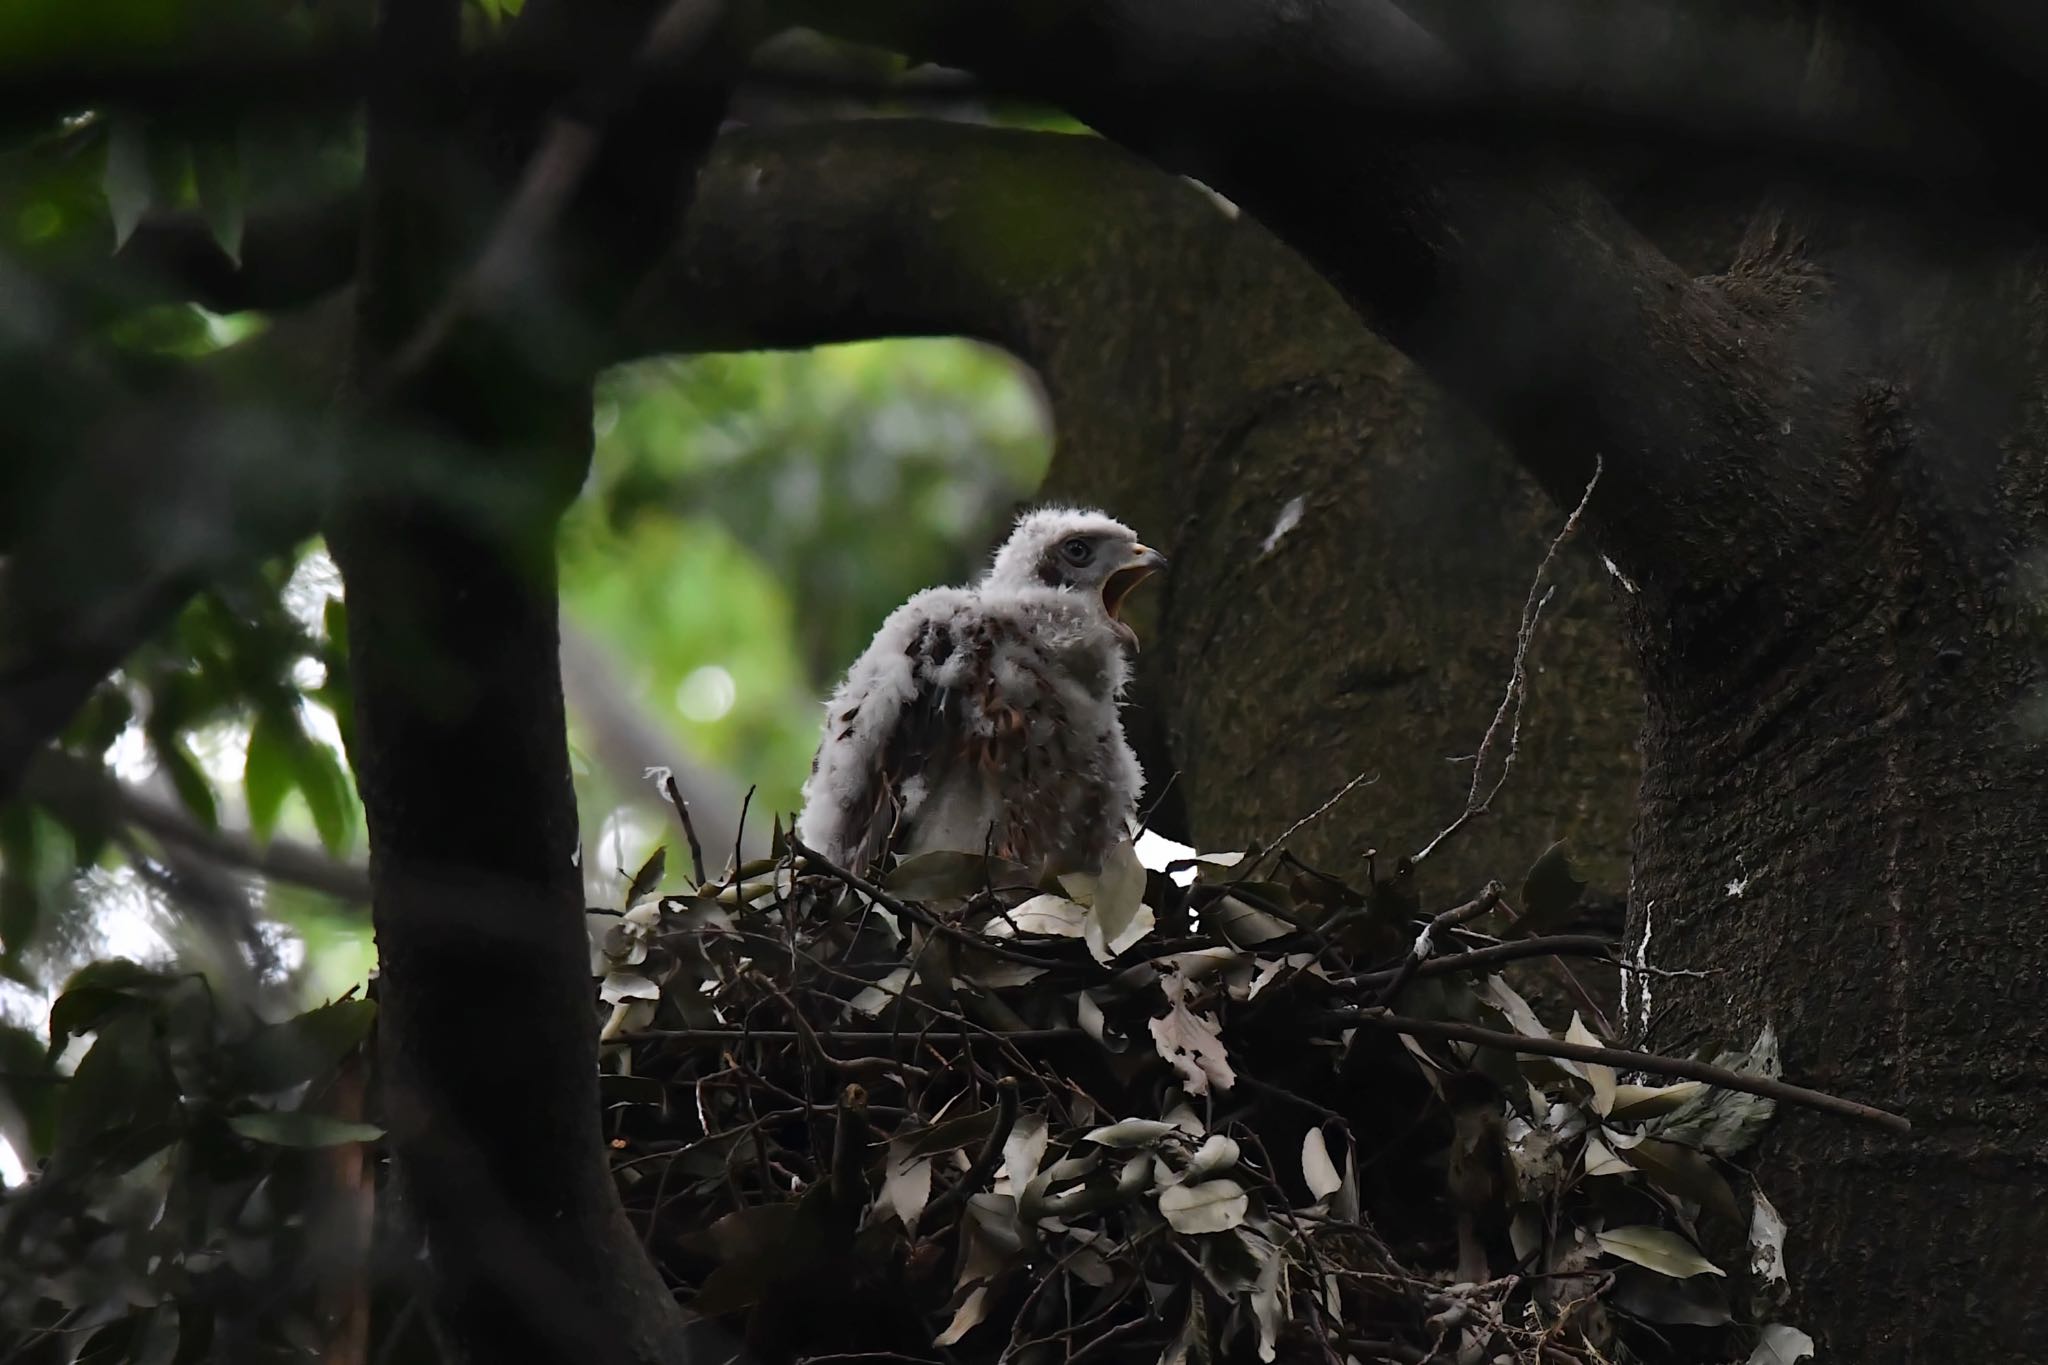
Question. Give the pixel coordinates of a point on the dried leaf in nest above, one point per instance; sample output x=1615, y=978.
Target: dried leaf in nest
x=1212, y=1206
x=907, y=1183
x=1637, y=1103
x=1781, y=1345
x=1657, y=1249
x=1550, y=893
x=1048, y=916
x=1192, y=1044
x=1131, y=1133
x=1316, y=1167
x=944, y=875
x=1117, y=914
x=1767, y=1250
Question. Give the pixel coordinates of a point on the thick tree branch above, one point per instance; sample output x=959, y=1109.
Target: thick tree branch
x=1523, y=293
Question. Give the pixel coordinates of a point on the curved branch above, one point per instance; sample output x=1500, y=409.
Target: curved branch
x=1527, y=296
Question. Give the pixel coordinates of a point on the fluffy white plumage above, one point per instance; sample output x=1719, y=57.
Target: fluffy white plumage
x=986, y=716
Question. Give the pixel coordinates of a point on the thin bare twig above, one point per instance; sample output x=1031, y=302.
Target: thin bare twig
x=675, y=797
x=818, y=862
x=1509, y=714
x=1425, y=942
x=1625, y=1060
x=1305, y=821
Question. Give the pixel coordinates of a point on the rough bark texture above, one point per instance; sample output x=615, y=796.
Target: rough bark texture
x=1841, y=810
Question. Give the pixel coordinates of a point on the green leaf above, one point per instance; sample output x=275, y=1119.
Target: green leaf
x=1728, y=1122
x=100, y=990
x=217, y=173
x=121, y=1104
x=280, y=1056
x=326, y=789
x=1549, y=893
x=189, y=782
x=1656, y=1249
x=295, y=1129
x=1685, y=1171
x=268, y=771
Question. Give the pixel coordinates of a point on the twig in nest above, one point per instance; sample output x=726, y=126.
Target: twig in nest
x=675, y=797
x=1318, y=813
x=740, y=833
x=1425, y=942
x=1509, y=716
x=817, y=862
x=1622, y=1059
x=985, y=1162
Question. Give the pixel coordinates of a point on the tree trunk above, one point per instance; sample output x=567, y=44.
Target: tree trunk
x=473, y=433
x=1844, y=764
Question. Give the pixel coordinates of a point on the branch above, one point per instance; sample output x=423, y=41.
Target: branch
x=1527, y=296
x=83, y=790
x=1622, y=1059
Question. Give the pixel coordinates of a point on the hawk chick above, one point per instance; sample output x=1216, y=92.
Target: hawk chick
x=986, y=717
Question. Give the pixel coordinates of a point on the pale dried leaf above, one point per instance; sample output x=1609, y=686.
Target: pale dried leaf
x=1117, y=914
x=1269, y=1298
x=1242, y=924
x=907, y=1186
x=1212, y=1206
x=1109, y=934
x=1601, y=1078
x=1601, y=1160
x=1767, y=1246
x=1656, y=1249
x=978, y=1266
x=1022, y=1151
x=1000, y=975
x=1513, y=1008
x=1052, y=916
x=1130, y=1133
x=1213, y=1157
x=1316, y=1167
x=1635, y=1103
x=627, y=986
x=877, y=997
x=1781, y=1345
x=1191, y=1044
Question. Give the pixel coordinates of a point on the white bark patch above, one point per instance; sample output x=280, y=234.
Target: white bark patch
x=1620, y=577
x=1290, y=517
x=1635, y=985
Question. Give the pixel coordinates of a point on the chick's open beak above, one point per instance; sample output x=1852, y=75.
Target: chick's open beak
x=1144, y=562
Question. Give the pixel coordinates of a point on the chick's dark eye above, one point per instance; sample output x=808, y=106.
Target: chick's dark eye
x=1078, y=551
